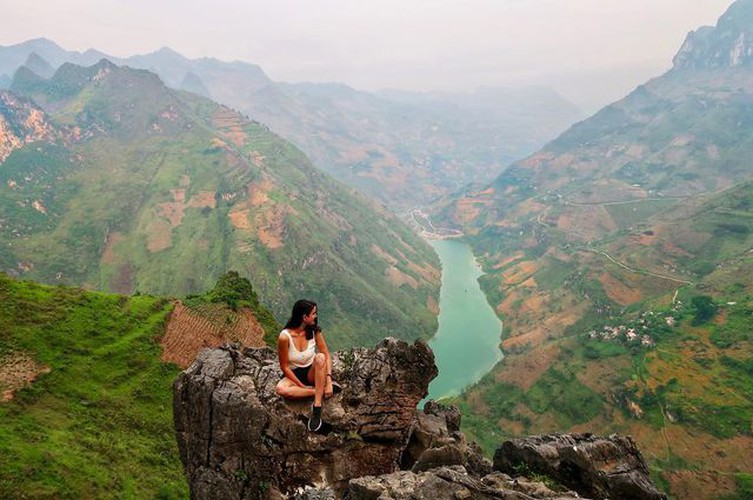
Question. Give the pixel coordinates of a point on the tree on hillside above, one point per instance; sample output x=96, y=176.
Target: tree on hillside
x=705, y=309
x=234, y=290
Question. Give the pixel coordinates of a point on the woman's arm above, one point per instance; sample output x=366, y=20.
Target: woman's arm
x=283, y=347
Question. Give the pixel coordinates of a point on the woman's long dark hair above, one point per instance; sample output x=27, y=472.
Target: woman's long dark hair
x=300, y=309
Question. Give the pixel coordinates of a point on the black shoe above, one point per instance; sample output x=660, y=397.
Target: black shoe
x=315, y=422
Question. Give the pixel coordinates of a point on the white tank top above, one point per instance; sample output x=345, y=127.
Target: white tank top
x=300, y=359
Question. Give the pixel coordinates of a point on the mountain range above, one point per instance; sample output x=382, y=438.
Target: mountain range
x=111, y=180
x=404, y=149
x=620, y=256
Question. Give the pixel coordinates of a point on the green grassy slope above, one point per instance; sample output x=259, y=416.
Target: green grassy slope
x=99, y=424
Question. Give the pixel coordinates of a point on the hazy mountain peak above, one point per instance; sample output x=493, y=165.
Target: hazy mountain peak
x=38, y=45
x=193, y=83
x=39, y=65
x=168, y=53
x=91, y=56
x=728, y=45
x=23, y=78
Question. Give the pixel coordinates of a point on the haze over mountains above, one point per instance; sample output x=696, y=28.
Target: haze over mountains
x=405, y=149
x=619, y=254
x=113, y=181
x=609, y=250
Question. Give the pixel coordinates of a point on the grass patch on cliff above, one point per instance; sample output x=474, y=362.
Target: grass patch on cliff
x=99, y=424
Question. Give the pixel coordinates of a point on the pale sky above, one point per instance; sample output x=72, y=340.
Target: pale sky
x=367, y=44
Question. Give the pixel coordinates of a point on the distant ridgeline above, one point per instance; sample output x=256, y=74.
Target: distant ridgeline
x=403, y=148
x=620, y=258
x=110, y=180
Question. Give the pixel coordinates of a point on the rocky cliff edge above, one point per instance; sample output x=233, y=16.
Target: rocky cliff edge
x=239, y=440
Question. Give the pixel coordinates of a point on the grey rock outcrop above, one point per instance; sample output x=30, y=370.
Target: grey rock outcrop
x=727, y=45
x=239, y=440
x=594, y=466
x=449, y=483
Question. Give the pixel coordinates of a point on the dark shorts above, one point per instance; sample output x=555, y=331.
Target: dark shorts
x=302, y=374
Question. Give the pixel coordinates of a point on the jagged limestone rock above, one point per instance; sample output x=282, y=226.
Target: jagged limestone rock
x=436, y=441
x=239, y=439
x=594, y=466
x=449, y=483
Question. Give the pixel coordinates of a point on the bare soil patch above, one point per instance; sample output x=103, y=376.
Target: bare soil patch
x=509, y=260
x=620, y=292
x=399, y=278
x=428, y=273
x=588, y=221
x=257, y=158
x=647, y=239
x=189, y=331
x=108, y=254
x=432, y=305
x=545, y=422
x=713, y=151
x=467, y=209
x=271, y=225
x=599, y=375
x=258, y=192
x=475, y=399
x=685, y=238
x=379, y=252
x=122, y=282
x=159, y=236
x=519, y=272
x=523, y=370
x=203, y=199
x=240, y=219
x=231, y=125
x=536, y=160
x=173, y=212
x=700, y=485
x=18, y=370
x=530, y=206
x=179, y=194
x=514, y=427
x=537, y=330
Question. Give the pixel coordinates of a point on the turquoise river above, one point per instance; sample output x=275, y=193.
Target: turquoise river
x=466, y=345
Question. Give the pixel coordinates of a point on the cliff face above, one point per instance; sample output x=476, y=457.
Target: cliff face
x=21, y=122
x=238, y=439
x=728, y=45
x=236, y=436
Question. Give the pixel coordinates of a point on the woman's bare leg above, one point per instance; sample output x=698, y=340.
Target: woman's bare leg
x=320, y=378
x=287, y=389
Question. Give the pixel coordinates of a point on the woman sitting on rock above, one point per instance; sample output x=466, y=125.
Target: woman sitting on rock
x=305, y=360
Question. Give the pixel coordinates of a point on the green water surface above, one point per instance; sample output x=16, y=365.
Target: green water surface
x=466, y=345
